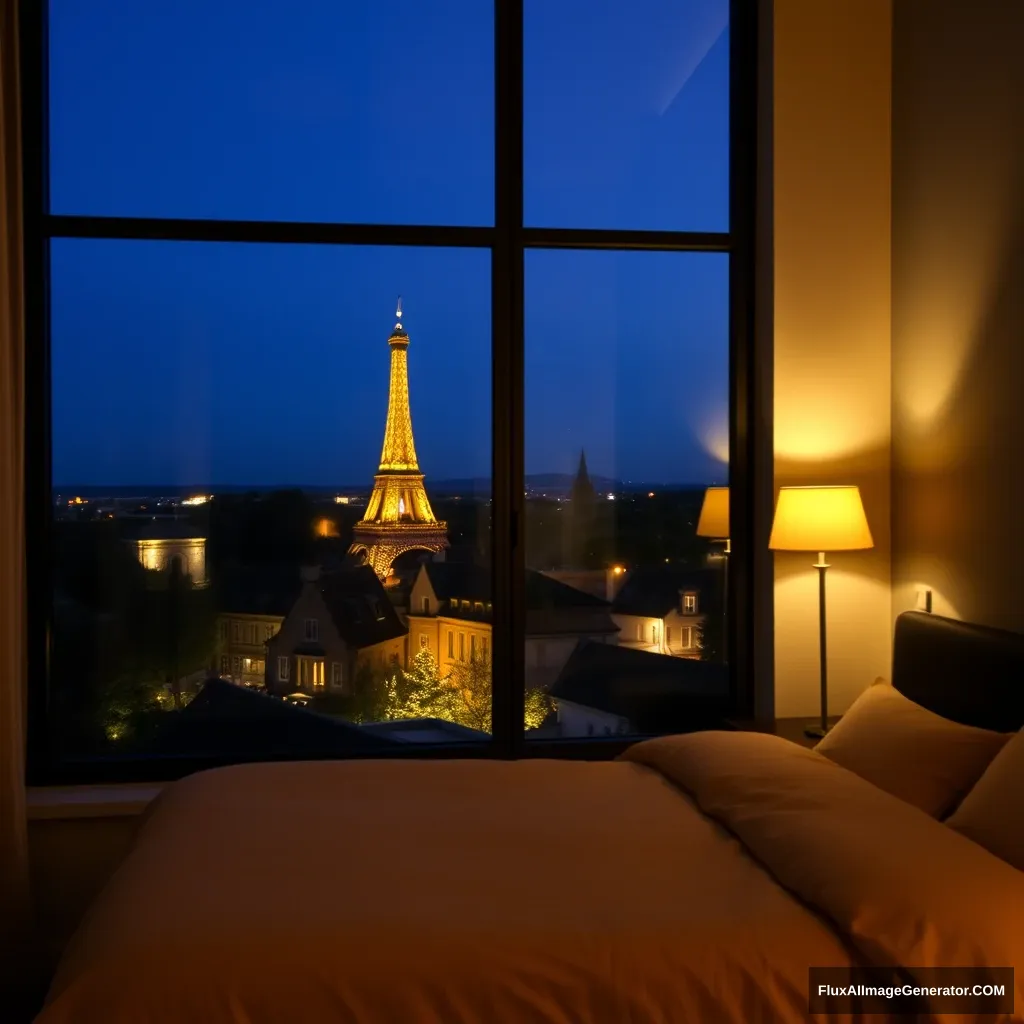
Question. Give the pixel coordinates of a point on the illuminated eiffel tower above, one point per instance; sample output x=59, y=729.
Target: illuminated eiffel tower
x=398, y=517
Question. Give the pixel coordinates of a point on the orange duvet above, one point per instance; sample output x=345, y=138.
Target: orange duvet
x=695, y=879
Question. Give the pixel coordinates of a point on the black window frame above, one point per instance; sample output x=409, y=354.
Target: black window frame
x=508, y=240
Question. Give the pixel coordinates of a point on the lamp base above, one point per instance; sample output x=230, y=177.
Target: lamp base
x=816, y=732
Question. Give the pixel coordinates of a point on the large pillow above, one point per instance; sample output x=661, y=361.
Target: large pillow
x=992, y=814
x=910, y=751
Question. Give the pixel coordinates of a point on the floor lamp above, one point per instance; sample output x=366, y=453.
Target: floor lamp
x=714, y=523
x=820, y=519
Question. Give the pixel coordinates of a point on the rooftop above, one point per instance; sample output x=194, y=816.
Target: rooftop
x=269, y=589
x=232, y=722
x=654, y=592
x=466, y=581
x=425, y=730
x=360, y=608
x=655, y=692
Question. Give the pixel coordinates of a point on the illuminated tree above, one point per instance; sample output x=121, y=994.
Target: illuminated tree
x=415, y=692
x=538, y=706
x=463, y=696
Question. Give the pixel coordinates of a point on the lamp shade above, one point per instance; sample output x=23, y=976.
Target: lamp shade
x=714, y=513
x=820, y=519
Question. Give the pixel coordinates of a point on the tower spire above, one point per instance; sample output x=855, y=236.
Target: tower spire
x=582, y=488
x=398, y=515
x=399, y=452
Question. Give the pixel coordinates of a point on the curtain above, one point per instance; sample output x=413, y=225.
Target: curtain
x=15, y=903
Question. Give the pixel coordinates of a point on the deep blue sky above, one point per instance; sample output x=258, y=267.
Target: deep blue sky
x=194, y=362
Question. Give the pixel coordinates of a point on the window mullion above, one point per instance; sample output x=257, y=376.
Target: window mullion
x=507, y=551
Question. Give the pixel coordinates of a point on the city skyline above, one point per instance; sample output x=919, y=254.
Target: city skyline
x=257, y=411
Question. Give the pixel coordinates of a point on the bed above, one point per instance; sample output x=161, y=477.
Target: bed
x=696, y=878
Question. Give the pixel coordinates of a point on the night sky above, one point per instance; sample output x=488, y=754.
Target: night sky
x=188, y=363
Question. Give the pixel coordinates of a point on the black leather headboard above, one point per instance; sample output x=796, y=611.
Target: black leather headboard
x=970, y=674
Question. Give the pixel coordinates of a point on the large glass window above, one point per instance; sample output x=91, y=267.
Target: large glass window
x=626, y=114
x=317, y=111
x=248, y=434
x=627, y=396
x=380, y=358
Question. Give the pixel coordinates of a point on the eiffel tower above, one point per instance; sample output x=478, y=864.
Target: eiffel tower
x=398, y=516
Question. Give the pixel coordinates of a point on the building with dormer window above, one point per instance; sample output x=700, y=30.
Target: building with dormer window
x=662, y=610
x=339, y=622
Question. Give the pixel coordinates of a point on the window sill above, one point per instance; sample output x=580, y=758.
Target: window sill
x=127, y=800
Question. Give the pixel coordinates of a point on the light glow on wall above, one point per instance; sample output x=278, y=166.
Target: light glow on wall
x=946, y=302
x=906, y=595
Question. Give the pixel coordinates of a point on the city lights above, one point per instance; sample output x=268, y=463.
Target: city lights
x=325, y=528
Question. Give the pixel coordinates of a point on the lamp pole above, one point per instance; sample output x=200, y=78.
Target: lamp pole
x=725, y=601
x=817, y=731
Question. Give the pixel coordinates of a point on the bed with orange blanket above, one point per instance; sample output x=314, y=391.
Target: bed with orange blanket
x=697, y=878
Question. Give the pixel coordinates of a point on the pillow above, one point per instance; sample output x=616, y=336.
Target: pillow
x=992, y=814
x=910, y=751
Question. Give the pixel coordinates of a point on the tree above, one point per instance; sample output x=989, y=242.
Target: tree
x=463, y=696
x=164, y=632
x=128, y=704
x=368, y=700
x=538, y=706
x=171, y=629
x=415, y=692
x=711, y=637
x=421, y=691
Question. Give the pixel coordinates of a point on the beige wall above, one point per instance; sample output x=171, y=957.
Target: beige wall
x=832, y=327
x=439, y=639
x=388, y=652
x=628, y=625
x=958, y=307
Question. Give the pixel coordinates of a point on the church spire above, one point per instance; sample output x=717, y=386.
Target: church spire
x=581, y=474
x=582, y=488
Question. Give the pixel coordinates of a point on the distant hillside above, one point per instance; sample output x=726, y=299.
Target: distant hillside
x=554, y=483
x=562, y=482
